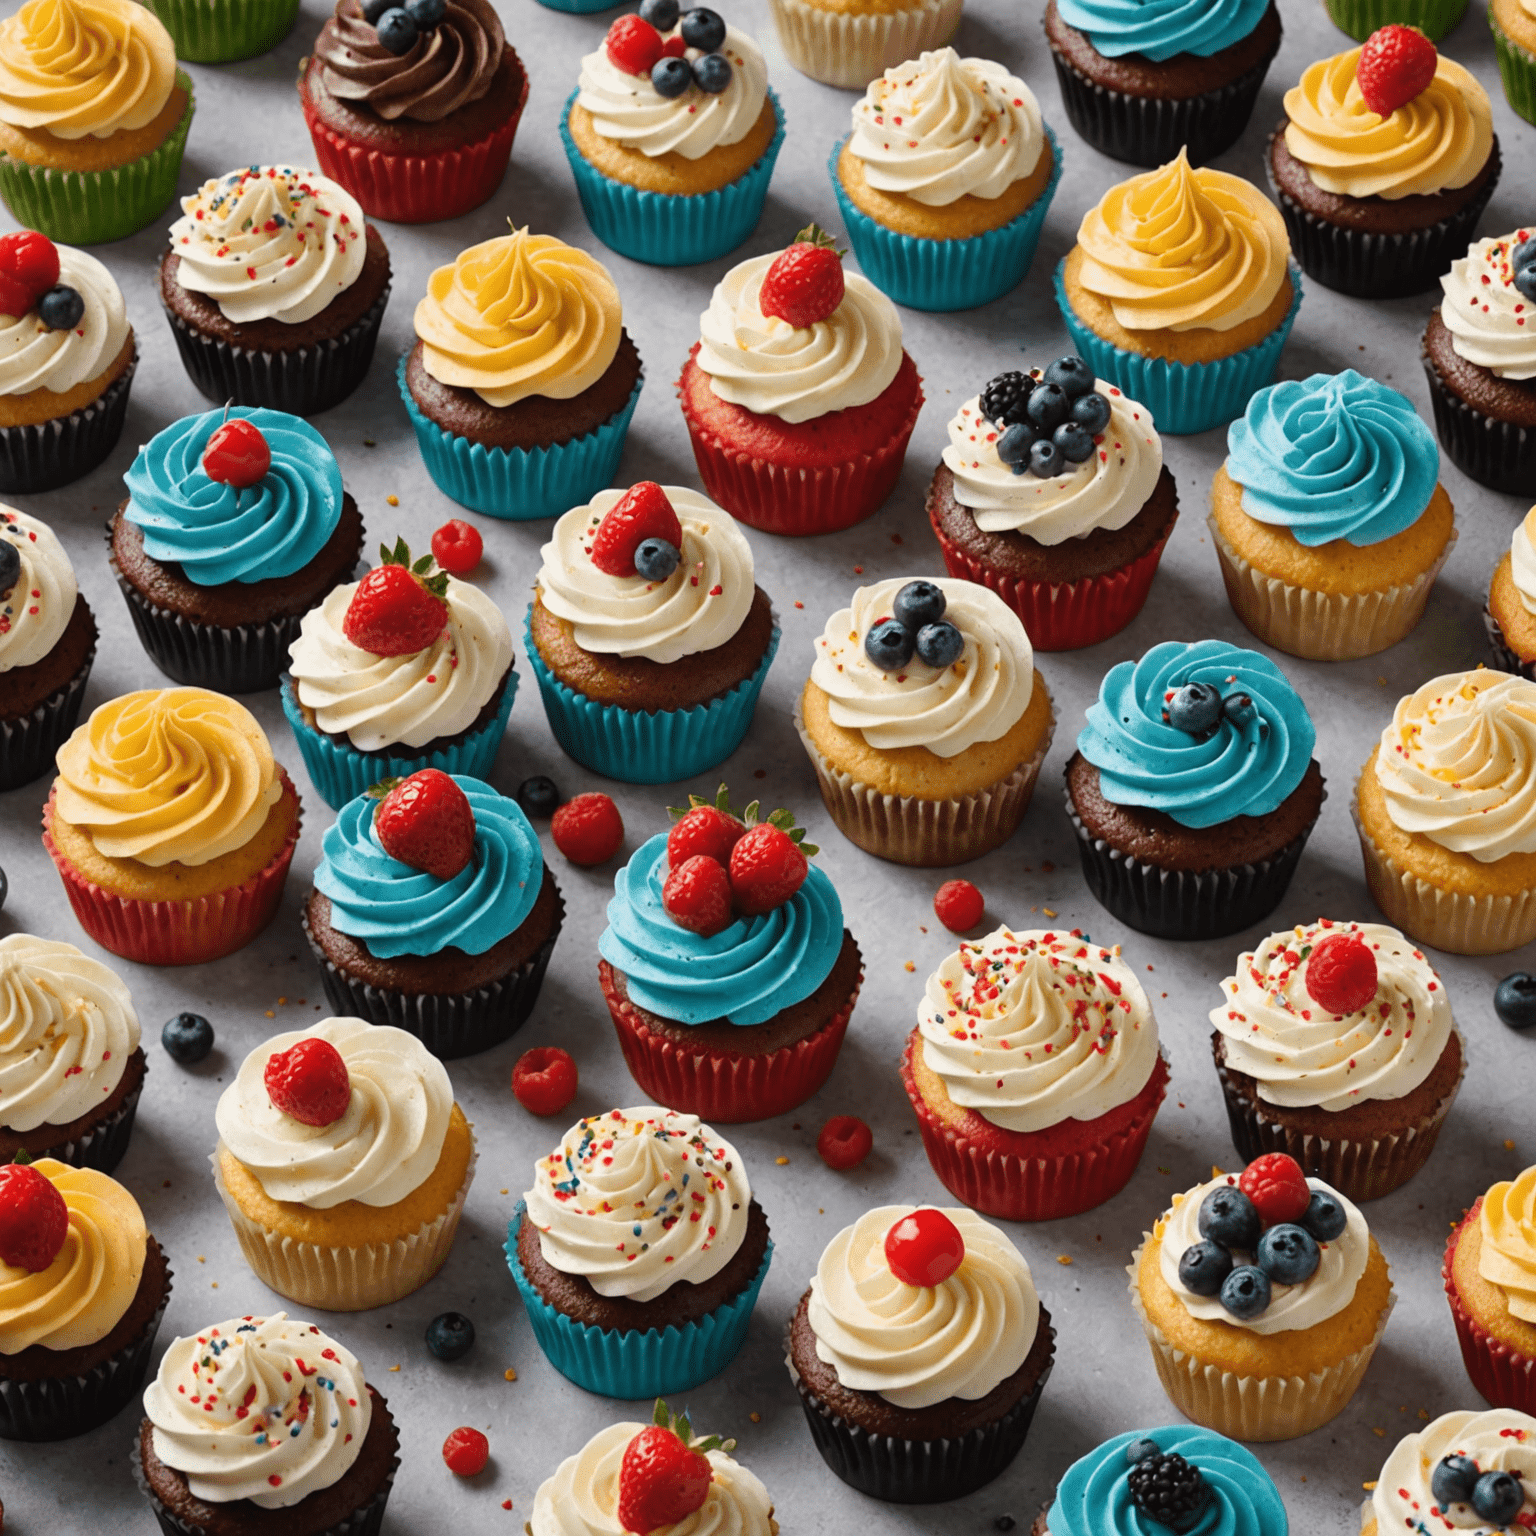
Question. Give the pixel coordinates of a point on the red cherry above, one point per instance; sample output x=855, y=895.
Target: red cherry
x=15, y=298
x=466, y=1452
x=34, y=1221
x=237, y=454
x=845, y=1142
x=457, y=547
x=309, y=1082
x=959, y=905
x=1341, y=974
x=544, y=1080
x=31, y=261
x=1277, y=1187
x=925, y=1248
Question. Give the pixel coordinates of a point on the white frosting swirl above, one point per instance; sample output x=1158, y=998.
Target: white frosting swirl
x=981, y=697
x=582, y=1497
x=1330, y=1289
x=34, y=357
x=939, y=128
x=67, y=1029
x=1489, y=319
x=630, y=110
x=1458, y=764
x=387, y=701
x=384, y=1146
x=1030, y=1029
x=637, y=1199
x=261, y=1408
x=1497, y=1439
x=1106, y=491
x=698, y=607
x=918, y=1345
x=36, y=611
x=1522, y=560
x=270, y=242
x=797, y=372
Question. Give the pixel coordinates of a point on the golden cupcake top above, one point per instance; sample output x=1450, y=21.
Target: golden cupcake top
x=1508, y=1256
x=520, y=315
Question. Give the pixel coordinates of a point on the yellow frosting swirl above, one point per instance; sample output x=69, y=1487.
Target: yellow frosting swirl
x=520, y=315
x=1438, y=141
x=1182, y=249
x=1508, y=1257
x=84, y=67
x=168, y=774
x=81, y=1296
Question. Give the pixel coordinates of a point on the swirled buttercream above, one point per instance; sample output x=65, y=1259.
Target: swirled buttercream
x=1160, y=29
x=261, y=1408
x=168, y=775
x=1487, y=316
x=637, y=1200
x=35, y=356
x=1497, y=1439
x=35, y=612
x=1507, y=1224
x=1522, y=560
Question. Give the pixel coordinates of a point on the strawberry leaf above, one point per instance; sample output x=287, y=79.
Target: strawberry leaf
x=382, y=788
x=814, y=234
x=423, y=565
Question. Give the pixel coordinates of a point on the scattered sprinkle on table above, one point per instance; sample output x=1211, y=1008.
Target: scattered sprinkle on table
x=394, y=501
x=509, y=1374
x=781, y=1161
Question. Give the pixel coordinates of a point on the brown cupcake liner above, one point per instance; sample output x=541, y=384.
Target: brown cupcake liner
x=849, y=50
x=1495, y=453
x=1505, y=659
x=1504, y=1377
x=28, y=744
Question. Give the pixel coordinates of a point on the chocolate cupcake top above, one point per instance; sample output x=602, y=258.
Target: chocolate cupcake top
x=1494, y=1440
x=261, y=1408
x=1490, y=296
x=1160, y=29
x=37, y=589
x=58, y=348
x=1507, y=1223
x=1522, y=560
x=67, y=1029
x=445, y=67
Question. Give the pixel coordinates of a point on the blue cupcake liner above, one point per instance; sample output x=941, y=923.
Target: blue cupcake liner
x=636, y=1366
x=579, y=7
x=341, y=773
x=1183, y=397
x=942, y=275
x=520, y=485
x=660, y=228
x=646, y=747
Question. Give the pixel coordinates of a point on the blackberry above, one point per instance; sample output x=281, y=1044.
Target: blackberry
x=1004, y=398
x=1169, y=1490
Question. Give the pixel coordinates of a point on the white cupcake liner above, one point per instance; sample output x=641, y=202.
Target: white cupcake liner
x=850, y=51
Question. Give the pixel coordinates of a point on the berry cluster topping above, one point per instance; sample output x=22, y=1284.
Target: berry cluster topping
x=1198, y=708
x=309, y=1082
x=636, y=46
x=425, y=821
x=924, y=1248
x=1046, y=420
x=29, y=280
x=1165, y=1487
x=804, y=284
x=400, y=606
x=665, y=1474
x=1497, y=1497
x=34, y=1221
x=1396, y=64
x=401, y=27
x=237, y=453
x=639, y=535
x=1514, y=1000
x=916, y=626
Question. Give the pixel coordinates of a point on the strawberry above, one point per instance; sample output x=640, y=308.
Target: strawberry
x=665, y=1474
x=642, y=512
x=31, y=262
x=712, y=829
x=767, y=868
x=1277, y=1187
x=1341, y=974
x=697, y=895
x=398, y=607
x=236, y=453
x=425, y=821
x=309, y=1082
x=1395, y=65
x=805, y=282
x=34, y=1220
x=633, y=45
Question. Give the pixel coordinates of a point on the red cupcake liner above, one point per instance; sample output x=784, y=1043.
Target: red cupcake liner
x=175, y=932
x=1014, y=1188
x=719, y=1088
x=1505, y=1377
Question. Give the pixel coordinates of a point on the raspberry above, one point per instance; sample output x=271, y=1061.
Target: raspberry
x=1341, y=974
x=588, y=830
x=697, y=895
x=805, y=282
x=426, y=821
x=544, y=1080
x=309, y=1082
x=642, y=512
x=237, y=454
x=31, y=261
x=845, y=1142
x=457, y=547
x=633, y=44
x=34, y=1221
x=466, y=1452
x=1395, y=65
x=1277, y=1187
x=959, y=905
x=767, y=868
x=705, y=830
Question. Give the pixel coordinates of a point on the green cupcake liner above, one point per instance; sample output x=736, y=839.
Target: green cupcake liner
x=221, y=31
x=1360, y=18
x=1517, y=69
x=92, y=207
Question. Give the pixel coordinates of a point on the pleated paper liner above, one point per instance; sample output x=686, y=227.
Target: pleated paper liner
x=102, y=1145
x=631, y=1365
x=221, y=31
x=48, y=454
x=1359, y=18
x=1504, y=1377
x=1253, y=1408
x=719, y=1088
x=664, y=229
x=849, y=50
x=28, y=744
x=1498, y=454
x=1517, y=69
x=579, y=7
x=1504, y=659
x=1322, y=626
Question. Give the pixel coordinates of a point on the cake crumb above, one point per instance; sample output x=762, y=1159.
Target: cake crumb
x=1509, y=1146
x=271, y=1014
x=1380, y=1434
x=394, y=501
x=394, y=1367
x=509, y=1374
x=783, y=1162
x=506, y=1503
x=1369, y=1487
x=756, y=1418
x=858, y=570
x=201, y=1259
x=1063, y=1258
x=1049, y=913
x=907, y=965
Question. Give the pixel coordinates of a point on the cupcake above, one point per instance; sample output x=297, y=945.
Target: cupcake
x=1143, y=81
x=1360, y=18
x=1328, y=517
x=672, y=136
x=275, y=287
x=1380, y=200
x=408, y=668
x=1480, y=363
x=1179, y=291
x=1334, y=1043
x=71, y=1066
x=1510, y=612
x=730, y=987
x=235, y=524
x=1193, y=789
x=948, y=218
x=67, y=358
x=1439, y=1473
x=433, y=911
x=850, y=42
x=625, y=1297
x=1263, y=1297
x=1035, y=1074
x=522, y=380
x=919, y=1352
x=343, y=1163
x=1068, y=533
x=47, y=645
x=83, y=1287
x=1440, y=806
x=649, y=675
x=417, y=126
x=1490, y=1280
x=321, y=1445
x=799, y=398
x=214, y=32
x=1514, y=44
x=171, y=826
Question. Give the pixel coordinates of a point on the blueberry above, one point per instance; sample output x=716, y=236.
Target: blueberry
x=712, y=73
x=1048, y=406
x=373, y=9
x=538, y=796
x=1075, y=442
x=1523, y=260
x=1091, y=411
x=1014, y=445
x=450, y=1336
x=1288, y=1254
x=1239, y=708
x=703, y=29
x=655, y=559
x=941, y=644
x=1196, y=707
x=1071, y=375
x=1324, y=1216
x=397, y=32
x=187, y=1038
x=1045, y=458
x=889, y=644
x=1139, y=1450
x=662, y=14
x=427, y=14
x=919, y=603
x=5, y=886
x=1203, y=1266
x=1453, y=1480
x=10, y=566
x=1227, y=1216
x=1246, y=1291
x=671, y=77
x=61, y=308
x=1498, y=1497
x=1525, y=282
x=1514, y=1000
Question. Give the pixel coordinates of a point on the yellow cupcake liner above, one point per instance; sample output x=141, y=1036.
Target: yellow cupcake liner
x=851, y=50
x=1322, y=626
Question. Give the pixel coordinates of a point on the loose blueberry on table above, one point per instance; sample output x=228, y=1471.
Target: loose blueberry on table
x=450, y=1335
x=188, y=1038
x=1514, y=1000
x=538, y=796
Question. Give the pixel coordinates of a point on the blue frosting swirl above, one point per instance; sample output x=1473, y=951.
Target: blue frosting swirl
x=1094, y=1497
x=397, y=910
x=745, y=974
x=1158, y=29
x=217, y=533
x=1242, y=769
x=1336, y=456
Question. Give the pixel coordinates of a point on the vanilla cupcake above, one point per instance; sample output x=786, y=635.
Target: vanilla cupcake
x=849, y=42
x=1510, y=612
